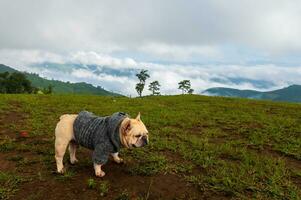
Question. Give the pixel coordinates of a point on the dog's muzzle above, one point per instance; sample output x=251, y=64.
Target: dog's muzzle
x=145, y=141
x=141, y=142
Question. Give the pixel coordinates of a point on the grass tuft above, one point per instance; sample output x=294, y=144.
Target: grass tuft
x=8, y=184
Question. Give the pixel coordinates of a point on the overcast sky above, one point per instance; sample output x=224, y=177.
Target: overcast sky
x=232, y=38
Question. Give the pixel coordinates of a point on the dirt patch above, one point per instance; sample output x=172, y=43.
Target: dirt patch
x=296, y=181
x=8, y=130
x=6, y=165
x=11, y=120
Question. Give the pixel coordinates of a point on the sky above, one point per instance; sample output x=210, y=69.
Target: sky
x=245, y=44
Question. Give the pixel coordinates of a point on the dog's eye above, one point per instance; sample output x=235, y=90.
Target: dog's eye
x=138, y=136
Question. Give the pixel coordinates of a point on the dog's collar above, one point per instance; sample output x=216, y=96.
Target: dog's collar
x=114, y=123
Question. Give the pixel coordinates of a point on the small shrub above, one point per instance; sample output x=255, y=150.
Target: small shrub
x=91, y=183
x=104, y=188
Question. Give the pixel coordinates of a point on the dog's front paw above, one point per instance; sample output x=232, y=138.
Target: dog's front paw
x=100, y=173
x=61, y=171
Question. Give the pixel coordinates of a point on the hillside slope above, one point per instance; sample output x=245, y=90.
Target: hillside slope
x=290, y=94
x=4, y=68
x=61, y=87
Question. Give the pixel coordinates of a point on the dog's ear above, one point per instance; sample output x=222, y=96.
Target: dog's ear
x=138, y=117
x=127, y=127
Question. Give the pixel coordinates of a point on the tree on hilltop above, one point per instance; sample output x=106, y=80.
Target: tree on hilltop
x=142, y=76
x=185, y=86
x=154, y=87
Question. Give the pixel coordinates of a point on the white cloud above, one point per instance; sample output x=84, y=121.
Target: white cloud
x=123, y=85
x=101, y=59
x=201, y=76
x=180, y=53
x=20, y=59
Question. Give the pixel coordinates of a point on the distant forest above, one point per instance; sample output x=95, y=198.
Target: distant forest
x=14, y=83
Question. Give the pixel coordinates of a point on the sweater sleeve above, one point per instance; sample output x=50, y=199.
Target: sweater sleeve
x=100, y=154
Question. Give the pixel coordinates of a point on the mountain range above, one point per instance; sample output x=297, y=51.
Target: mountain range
x=291, y=93
x=60, y=87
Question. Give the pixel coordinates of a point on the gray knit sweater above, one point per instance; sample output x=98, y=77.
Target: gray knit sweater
x=100, y=134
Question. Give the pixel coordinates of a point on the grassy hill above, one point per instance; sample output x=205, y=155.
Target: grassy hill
x=60, y=87
x=200, y=148
x=290, y=94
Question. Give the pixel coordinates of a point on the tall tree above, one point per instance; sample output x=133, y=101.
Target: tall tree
x=154, y=87
x=142, y=76
x=139, y=88
x=185, y=86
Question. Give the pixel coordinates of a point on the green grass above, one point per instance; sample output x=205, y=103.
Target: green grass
x=104, y=188
x=91, y=183
x=147, y=163
x=7, y=144
x=232, y=147
x=66, y=176
x=8, y=184
x=124, y=195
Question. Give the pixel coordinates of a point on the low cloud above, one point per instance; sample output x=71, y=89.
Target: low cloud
x=118, y=75
x=21, y=59
x=101, y=59
x=180, y=53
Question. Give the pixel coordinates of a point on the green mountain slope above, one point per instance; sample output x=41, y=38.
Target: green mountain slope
x=290, y=94
x=4, y=68
x=61, y=87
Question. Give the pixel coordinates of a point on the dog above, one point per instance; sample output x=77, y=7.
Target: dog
x=103, y=135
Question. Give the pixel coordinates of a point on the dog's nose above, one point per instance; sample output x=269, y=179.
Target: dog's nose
x=144, y=139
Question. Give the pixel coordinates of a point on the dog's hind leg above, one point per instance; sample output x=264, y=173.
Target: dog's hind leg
x=60, y=149
x=72, y=151
x=63, y=136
